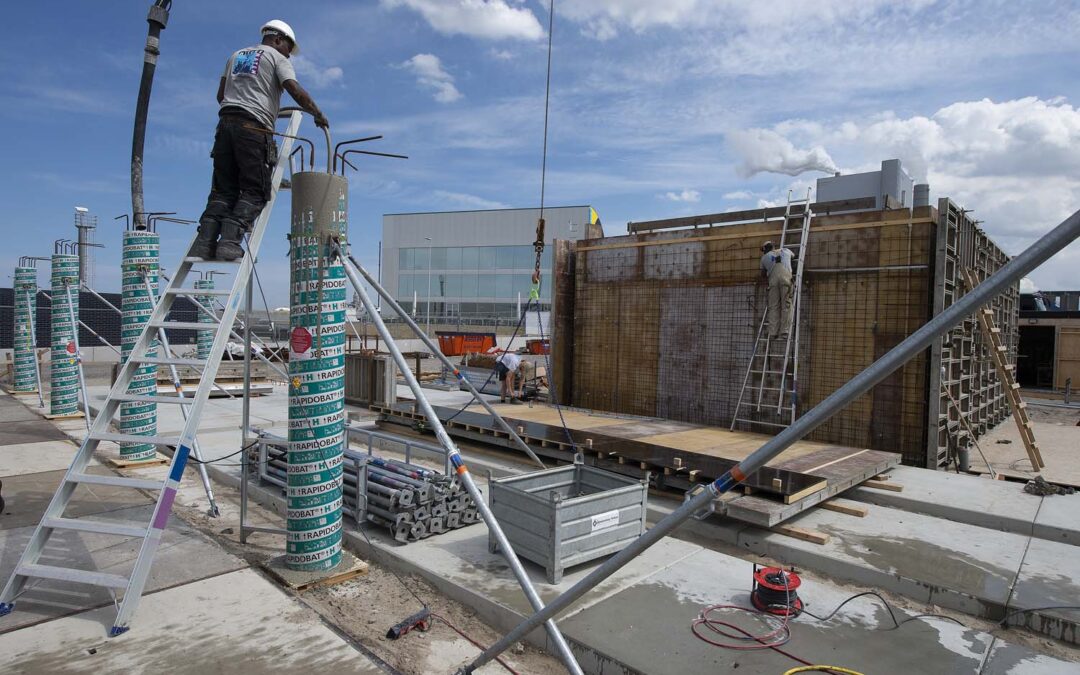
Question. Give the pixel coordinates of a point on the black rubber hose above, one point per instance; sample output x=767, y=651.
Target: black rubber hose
x=156, y=19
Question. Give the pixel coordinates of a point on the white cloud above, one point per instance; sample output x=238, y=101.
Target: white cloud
x=471, y=201
x=1012, y=162
x=738, y=195
x=500, y=54
x=430, y=73
x=316, y=77
x=484, y=19
x=684, y=196
x=1028, y=286
x=765, y=150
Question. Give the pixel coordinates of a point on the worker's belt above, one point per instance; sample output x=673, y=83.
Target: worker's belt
x=233, y=111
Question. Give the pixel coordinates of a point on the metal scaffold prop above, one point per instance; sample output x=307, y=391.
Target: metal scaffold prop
x=26, y=372
x=204, y=338
x=316, y=372
x=64, y=366
x=140, y=264
x=354, y=270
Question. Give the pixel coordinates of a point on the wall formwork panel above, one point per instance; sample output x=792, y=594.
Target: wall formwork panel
x=664, y=324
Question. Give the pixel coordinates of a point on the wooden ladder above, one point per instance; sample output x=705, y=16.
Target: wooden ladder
x=998, y=354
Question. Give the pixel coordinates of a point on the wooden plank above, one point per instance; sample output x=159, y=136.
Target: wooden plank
x=859, y=204
x=846, y=507
x=118, y=463
x=883, y=485
x=812, y=536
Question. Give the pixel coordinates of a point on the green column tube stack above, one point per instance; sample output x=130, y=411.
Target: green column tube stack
x=64, y=369
x=140, y=256
x=25, y=307
x=316, y=373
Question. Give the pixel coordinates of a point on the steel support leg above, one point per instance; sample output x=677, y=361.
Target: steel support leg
x=445, y=361
x=512, y=560
x=1054, y=241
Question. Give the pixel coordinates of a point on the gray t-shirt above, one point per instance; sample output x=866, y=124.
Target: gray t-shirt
x=773, y=257
x=254, y=79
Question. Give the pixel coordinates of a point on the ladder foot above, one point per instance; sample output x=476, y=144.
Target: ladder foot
x=6, y=608
x=213, y=511
x=118, y=630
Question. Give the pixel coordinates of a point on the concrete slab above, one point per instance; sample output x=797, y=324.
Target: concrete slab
x=928, y=559
x=18, y=459
x=1050, y=577
x=1010, y=659
x=14, y=411
x=1059, y=519
x=646, y=628
x=185, y=555
x=998, y=505
x=209, y=626
x=27, y=495
x=29, y=432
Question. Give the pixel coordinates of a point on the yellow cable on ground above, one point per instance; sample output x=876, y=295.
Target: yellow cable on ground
x=821, y=669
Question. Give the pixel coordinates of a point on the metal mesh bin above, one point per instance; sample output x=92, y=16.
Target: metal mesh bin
x=563, y=517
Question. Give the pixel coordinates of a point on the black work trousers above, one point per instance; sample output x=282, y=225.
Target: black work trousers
x=243, y=164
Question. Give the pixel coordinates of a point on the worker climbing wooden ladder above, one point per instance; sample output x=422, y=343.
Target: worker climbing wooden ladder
x=771, y=380
x=999, y=356
x=54, y=520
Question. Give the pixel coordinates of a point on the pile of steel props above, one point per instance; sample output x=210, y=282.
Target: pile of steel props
x=411, y=501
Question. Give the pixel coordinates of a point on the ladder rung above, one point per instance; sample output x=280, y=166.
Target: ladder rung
x=132, y=398
x=221, y=292
x=134, y=438
x=184, y=325
x=96, y=526
x=116, y=481
x=165, y=361
x=70, y=574
x=190, y=259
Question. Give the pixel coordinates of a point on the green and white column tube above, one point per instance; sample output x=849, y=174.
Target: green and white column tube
x=64, y=366
x=140, y=256
x=204, y=339
x=25, y=307
x=316, y=373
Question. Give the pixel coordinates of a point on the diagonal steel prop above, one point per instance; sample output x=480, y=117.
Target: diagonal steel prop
x=454, y=454
x=1052, y=242
x=445, y=361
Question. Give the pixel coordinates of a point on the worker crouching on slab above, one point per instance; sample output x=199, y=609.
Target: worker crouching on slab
x=250, y=96
x=511, y=370
x=776, y=268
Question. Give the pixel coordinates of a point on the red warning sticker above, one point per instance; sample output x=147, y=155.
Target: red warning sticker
x=71, y=347
x=299, y=343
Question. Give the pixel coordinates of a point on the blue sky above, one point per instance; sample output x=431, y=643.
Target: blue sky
x=658, y=108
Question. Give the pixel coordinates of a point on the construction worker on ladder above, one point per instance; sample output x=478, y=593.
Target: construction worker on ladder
x=249, y=94
x=776, y=268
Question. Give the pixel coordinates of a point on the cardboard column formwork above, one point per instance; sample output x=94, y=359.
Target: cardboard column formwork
x=64, y=367
x=140, y=262
x=25, y=358
x=316, y=372
x=204, y=338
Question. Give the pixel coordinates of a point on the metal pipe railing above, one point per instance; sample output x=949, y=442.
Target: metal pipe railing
x=1052, y=242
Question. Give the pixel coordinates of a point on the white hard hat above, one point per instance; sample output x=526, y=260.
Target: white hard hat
x=279, y=26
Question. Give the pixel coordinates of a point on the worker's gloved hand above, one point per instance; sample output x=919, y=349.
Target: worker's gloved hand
x=321, y=121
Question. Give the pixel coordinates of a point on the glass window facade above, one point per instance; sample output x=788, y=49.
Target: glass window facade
x=473, y=280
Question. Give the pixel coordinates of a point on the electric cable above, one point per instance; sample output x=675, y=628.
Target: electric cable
x=888, y=607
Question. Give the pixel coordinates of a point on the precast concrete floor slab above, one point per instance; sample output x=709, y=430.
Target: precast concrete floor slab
x=27, y=496
x=1049, y=578
x=1006, y=658
x=647, y=627
x=998, y=505
x=1059, y=519
x=236, y=622
x=931, y=560
x=11, y=410
x=18, y=459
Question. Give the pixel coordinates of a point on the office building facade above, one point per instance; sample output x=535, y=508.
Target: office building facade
x=474, y=264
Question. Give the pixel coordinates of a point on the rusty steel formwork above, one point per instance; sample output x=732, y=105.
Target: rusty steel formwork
x=662, y=323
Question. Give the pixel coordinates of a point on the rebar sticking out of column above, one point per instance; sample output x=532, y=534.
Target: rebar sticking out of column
x=140, y=263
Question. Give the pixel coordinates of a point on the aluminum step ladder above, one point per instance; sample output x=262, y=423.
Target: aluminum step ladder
x=54, y=519
x=769, y=394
